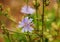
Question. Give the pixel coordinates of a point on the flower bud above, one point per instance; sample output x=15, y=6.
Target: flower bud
x=36, y=4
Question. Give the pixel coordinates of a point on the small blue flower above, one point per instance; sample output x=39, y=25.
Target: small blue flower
x=25, y=24
x=27, y=10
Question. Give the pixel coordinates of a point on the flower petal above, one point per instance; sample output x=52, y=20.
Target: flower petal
x=30, y=29
x=24, y=30
x=30, y=20
x=25, y=20
x=27, y=10
x=27, y=28
x=21, y=24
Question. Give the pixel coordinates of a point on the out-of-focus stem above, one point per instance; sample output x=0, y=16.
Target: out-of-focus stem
x=57, y=16
x=43, y=22
x=37, y=26
x=37, y=21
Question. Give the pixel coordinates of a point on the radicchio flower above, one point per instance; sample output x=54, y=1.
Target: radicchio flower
x=27, y=10
x=25, y=24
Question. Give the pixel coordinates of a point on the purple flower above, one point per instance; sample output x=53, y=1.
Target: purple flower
x=25, y=24
x=27, y=10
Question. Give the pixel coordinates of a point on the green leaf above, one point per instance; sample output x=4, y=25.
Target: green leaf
x=6, y=39
x=20, y=37
x=57, y=40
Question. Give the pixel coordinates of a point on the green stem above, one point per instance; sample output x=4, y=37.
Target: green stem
x=5, y=32
x=29, y=36
x=37, y=22
x=43, y=23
